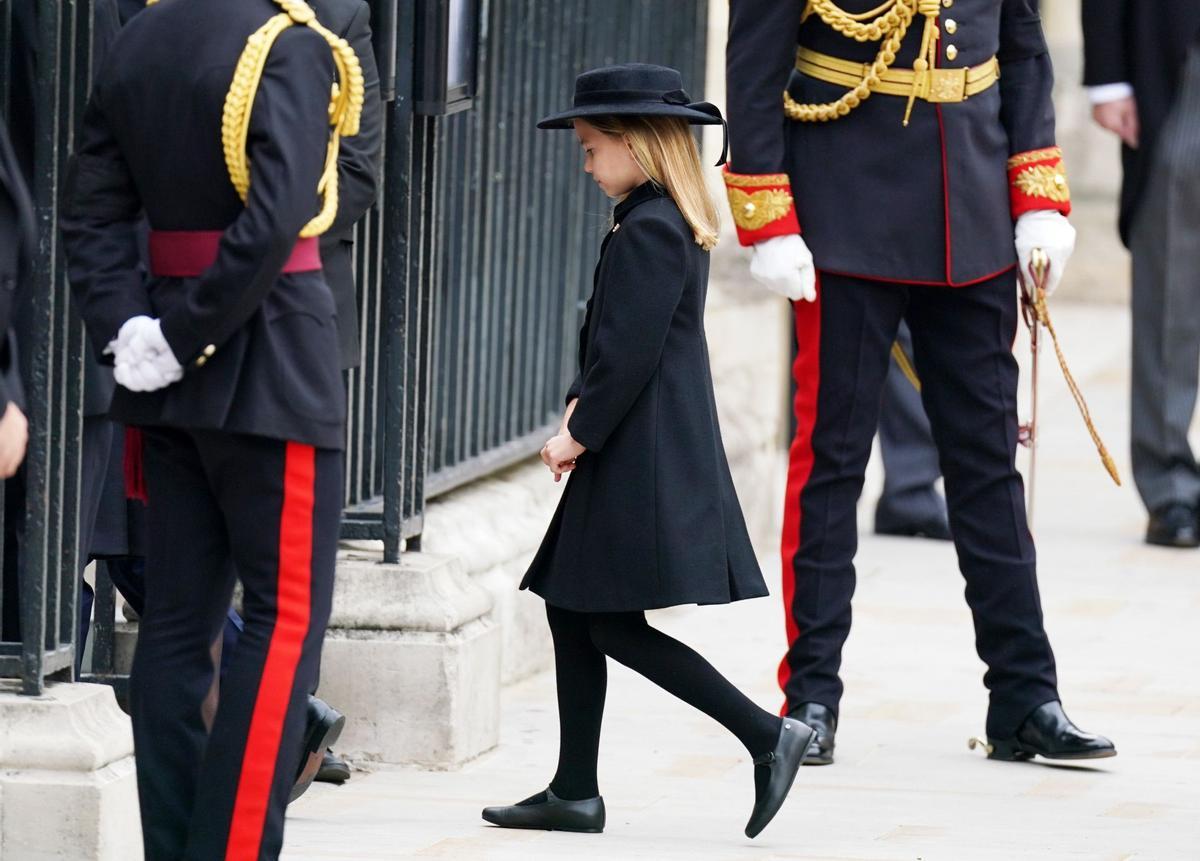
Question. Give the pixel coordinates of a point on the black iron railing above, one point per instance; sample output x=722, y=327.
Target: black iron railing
x=489, y=239
x=471, y=268
x=38, y=642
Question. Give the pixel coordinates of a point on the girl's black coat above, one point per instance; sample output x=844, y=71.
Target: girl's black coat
x=649, y=518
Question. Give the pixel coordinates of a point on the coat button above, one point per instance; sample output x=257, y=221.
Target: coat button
x=8, y=282
x=205, y=355
x=951, y=26
x=951, y=53
x=947, y=3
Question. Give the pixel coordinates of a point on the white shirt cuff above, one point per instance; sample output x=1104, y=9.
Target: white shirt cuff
x=1105, y=93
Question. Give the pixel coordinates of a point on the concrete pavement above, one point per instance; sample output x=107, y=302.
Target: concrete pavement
x=1122, y=618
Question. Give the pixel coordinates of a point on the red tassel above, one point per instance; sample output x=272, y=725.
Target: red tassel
x=135, y=475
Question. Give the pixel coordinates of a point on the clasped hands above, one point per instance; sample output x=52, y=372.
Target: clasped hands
x=142, y=357
x=559, y=452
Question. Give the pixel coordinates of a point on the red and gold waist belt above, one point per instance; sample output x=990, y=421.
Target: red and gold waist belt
x=189, y=253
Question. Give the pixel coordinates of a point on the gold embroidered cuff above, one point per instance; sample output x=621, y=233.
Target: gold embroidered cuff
x=1037, y=180
x=762, y=205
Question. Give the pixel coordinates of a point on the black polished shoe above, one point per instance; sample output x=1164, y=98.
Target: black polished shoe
x=547, y=812
x=1049, y=733
x=782, y=764
x=323, y=726
x=1173, y=525
x=824, y=723
x=333, y=769
x=913, y=521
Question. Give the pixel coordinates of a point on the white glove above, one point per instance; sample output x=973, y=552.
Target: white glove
x=144, y=361
x=1051, y=232
x=784, y=265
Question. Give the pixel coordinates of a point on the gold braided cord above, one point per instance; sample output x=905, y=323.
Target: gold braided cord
x=1041, y=315
x=888, y=23
x=906, y=367
x=345, y=107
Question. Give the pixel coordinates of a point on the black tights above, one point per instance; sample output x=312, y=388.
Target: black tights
x=581, y=641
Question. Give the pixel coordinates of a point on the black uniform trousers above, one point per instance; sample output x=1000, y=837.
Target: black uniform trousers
x=272, y=508
x=962, y=350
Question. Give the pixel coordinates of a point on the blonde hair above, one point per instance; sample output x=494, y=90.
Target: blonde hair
x=666, y=152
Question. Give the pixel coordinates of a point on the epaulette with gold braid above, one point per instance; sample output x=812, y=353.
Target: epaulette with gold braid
x=345, y=107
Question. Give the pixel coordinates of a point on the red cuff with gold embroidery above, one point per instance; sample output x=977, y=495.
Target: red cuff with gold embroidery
x=762, y=205
x=1037, y=180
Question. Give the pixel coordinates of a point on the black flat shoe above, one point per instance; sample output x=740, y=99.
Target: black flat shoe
x=323, y=726
x=1173, y=525
x=1049, y=733
x=547, y=812
x=333, y=769
x=783, y=763
x=907, y=522
x=824, y=723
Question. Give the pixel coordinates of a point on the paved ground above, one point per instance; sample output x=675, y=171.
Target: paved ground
x=1122, y=617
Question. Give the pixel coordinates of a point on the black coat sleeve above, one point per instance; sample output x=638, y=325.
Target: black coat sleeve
x=358, y=157
x=100, y=215
x=1105, y=42
x=574, y=389
x=642, y=289
x=289, y=134
x=759, y=57
x=1026, y=78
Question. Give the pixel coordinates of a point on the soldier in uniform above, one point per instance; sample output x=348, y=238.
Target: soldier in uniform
x=226, y=356
x=913, y=144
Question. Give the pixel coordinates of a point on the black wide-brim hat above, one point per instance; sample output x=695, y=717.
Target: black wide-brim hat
x=635, y=90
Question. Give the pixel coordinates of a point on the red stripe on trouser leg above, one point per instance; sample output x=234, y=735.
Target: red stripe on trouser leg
x=807, y=375
x=260, y=757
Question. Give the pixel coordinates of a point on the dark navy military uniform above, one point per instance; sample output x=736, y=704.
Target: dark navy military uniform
x=910, y=223
x=242, y=456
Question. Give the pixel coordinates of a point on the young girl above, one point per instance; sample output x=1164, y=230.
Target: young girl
x=649, y=517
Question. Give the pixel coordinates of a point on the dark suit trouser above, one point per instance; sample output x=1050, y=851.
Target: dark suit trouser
x=272, y=508
x=1165, y=242
x=910, y=458
x=962, y=351
x=93, y=459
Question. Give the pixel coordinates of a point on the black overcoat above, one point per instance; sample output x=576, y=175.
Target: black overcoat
x=649, y=518
x=1143, y=43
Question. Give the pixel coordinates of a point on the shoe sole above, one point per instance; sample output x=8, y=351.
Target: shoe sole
x=322, y=737
x=812, y=736
x=543, y=828
x=1176, y=545
x=337, y=777
x=531, y=827
x=1004, y=751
